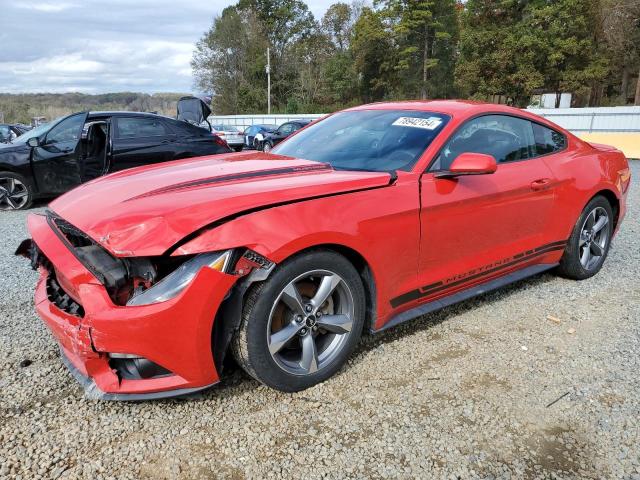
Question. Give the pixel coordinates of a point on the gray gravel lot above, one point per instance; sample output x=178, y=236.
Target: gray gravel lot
x=460, y=393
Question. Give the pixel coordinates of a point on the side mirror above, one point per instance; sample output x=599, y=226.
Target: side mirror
x=33, y=142
x=470, y=164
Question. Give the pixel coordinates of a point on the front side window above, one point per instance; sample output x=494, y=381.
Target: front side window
x=68, y=130
x=547, y=140
x=505, y=138
x=372, y=140
x=285, y=129
x=129, y=127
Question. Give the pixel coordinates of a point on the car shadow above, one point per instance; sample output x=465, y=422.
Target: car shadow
x=235, y=381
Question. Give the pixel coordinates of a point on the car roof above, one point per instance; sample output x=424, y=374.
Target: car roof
x=460, y=109
x=120, y=113
x=449, y=107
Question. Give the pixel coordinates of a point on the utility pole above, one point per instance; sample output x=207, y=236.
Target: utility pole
x=268, y=69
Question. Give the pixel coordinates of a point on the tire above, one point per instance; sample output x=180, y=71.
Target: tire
x=587, y=243
x=290, y=348
x=266, y=147
x=239, y=148
x=16, y=192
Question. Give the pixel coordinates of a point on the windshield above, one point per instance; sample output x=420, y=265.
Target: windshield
x=374, y=140
x=35, y=132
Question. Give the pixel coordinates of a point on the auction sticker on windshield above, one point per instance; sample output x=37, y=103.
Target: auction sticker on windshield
x=430, y=123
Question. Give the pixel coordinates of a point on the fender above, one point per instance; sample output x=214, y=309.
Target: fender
x=376, y=224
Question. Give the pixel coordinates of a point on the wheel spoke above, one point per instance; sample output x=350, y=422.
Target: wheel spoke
x=601, y=223
x=309, y=360
x=279, y=339
x=596, y=249
x=11, y=185
x=585, y=257
x=326, y=288
x=591, y=219
x=11, y=203
x=335, y=323
x=291, y=297
x=21, y=194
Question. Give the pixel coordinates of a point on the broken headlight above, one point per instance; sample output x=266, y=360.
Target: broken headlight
x=174, y=283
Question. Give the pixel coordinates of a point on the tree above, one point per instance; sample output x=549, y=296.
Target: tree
x=514, y=47
x=620, y=24
x=229, y=63
x=497, y=55
x=425, y=32
x=372, y=49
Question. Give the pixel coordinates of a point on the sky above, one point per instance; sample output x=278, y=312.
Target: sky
x=94, y=46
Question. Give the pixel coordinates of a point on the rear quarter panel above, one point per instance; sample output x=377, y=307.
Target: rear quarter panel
x=581, y=171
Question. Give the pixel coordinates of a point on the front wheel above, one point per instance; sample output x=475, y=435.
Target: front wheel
x=589, y=242
x=300, y=326
x=16, y=192
x=266, y=147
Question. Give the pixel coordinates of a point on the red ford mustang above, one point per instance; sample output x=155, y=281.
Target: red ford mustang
x=363, y=220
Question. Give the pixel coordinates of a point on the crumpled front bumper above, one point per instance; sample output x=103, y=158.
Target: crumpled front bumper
x=176, y=334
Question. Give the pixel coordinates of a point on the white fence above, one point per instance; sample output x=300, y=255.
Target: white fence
x=578, y=120
x=244, y=121
x=592, y=120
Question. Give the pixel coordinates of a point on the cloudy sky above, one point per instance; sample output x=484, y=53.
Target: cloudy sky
x=96, y=46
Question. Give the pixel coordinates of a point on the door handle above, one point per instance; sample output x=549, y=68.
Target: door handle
x=540, y=184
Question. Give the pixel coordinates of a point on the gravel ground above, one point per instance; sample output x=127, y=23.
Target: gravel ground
x=465, y=392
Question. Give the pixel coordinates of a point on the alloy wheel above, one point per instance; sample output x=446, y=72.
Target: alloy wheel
x=13, y=194
x=310, y=322
x=266, y=147
x=594, y=237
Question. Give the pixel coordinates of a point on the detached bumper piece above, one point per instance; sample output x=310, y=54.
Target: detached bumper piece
x=124, y=352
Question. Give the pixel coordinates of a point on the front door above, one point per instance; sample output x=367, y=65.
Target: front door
x=478, y=227
x=55, y=160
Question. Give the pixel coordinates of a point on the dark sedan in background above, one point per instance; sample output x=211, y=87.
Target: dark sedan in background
x=283, y=131
x=56, y=157
x=254, y=134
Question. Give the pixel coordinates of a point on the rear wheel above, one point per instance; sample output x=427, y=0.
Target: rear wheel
x=238, y=148
x=16, y=192
x=300, y=326
x=267, y=147
x=589, y=242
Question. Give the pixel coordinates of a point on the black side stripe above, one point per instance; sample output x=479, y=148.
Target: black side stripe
x=433, y=288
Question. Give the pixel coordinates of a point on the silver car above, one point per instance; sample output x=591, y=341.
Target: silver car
x=230, y=134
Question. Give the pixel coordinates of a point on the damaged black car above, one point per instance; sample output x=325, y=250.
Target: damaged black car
x=54, y=158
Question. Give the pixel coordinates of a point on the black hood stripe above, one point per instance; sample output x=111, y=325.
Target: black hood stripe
x=236, y=176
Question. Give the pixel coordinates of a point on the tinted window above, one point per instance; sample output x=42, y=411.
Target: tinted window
x=547, y=140
x=505, y=138
x=129, y=127
x=285, y=129
x=375, y=140
x=67, y=130
x=5, y=133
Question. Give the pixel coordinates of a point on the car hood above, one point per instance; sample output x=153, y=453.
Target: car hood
x=145, y=211
x=12, y=148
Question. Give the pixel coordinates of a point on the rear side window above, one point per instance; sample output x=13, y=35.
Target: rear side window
x=547, y=140
x=140, y=127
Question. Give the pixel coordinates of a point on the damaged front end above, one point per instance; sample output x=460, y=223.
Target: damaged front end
x=131, y=327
